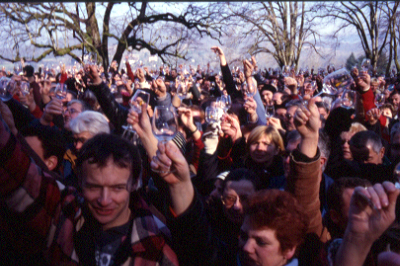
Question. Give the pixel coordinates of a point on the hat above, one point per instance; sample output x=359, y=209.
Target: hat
x=268, y=87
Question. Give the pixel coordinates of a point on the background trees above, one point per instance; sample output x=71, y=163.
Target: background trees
x=370, y=19
x=280, y=29
x=65, y=29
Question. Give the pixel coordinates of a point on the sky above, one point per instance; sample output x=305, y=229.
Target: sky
x=349, y=42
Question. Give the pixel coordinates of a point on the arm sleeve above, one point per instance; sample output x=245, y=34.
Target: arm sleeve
x=115, y=112
x=129, y=71
x=32, y=196
x=303, y=182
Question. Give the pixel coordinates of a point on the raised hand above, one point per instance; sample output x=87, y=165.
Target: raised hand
x=307, y=122
x=140, y=122
x=230, y=126
x=177, y=175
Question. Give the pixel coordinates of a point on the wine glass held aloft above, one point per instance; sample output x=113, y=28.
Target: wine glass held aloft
x=165, y=126
x=136, y=102
x=60, y=91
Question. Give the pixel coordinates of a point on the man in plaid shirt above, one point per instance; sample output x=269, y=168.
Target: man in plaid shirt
x=106, y=224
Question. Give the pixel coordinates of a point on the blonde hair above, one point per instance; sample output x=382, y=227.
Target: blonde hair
x=265, y=131
x=357, y=127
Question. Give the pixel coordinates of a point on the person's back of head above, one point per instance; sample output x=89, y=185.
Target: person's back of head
x=29, y=71
x=91, y=121
x=48, y=143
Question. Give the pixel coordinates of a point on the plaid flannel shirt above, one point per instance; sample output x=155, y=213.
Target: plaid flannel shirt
x=52, y=213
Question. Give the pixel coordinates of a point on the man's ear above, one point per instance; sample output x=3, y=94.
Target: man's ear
x=51, y=162
x=322, y=161
x=382, y=152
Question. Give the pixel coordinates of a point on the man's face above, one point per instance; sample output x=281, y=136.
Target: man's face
x=367, y=154
x=289, y=118
x=70, y=113
x=396, y=101
x=277, y=98
x=173, y=73
x=323, y=112
x=266, y=97
x=81, y=138
x=106, y=191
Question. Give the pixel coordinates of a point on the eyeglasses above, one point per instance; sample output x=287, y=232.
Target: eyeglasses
x=289, y=116
x=229, y=200
x=71, y=111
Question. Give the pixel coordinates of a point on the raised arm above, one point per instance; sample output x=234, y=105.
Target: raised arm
x=372, y=211
x=304, y=178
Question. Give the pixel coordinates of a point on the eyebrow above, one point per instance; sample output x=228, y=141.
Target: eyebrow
x=97, y=185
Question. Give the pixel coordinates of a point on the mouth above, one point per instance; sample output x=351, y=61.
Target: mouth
x=103, y=212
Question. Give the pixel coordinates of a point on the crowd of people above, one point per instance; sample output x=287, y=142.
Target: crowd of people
x=177, y=166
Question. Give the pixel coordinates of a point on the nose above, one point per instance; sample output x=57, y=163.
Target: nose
x=248, y=247
x=78, y=145
x=237, y=205
x=104, y=198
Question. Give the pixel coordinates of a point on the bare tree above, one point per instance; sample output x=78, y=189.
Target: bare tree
x=63, y=29
x=366, y=18
x=280, y=29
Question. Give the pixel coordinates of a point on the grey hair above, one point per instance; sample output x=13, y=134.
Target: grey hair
x=91, y=121
x=323, y=145
x=365, y=138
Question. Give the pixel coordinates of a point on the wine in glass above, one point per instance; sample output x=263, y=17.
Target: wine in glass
x=226, y=99
x=249, y=89
x=365, y=65
x=181, y=91
x=60, y=91
x=165, y=126
x=348, y=99
x=379, y=99
x=396, y=174
x=269, y=111
x=5, y=89
x=211, y=114
x=138, y=99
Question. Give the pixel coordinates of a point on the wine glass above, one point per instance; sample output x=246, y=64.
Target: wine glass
x=25, y=88
x=379, y=99
x=365, y=65
x=269, y=111
x=396, y=175
x=138, y=99
x=226, y=99
x=181, y=91
x=211, y=114
x=60, y=91
x=348, y=99
x=5, y=89
x=164, y=123
x=249, y=89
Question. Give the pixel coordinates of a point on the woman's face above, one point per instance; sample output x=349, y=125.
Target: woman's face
x=233, y=196
x=263, y=150
x=345, y=138
x=261, y=247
